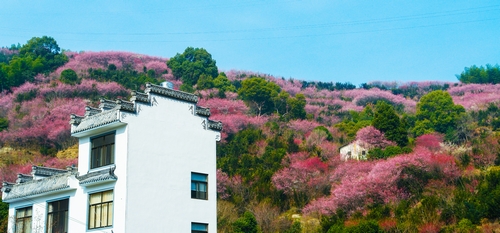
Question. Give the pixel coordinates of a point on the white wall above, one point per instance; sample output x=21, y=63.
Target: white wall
x=159, y=180
x=39, y=216
x=356, y=152
x=118, y=187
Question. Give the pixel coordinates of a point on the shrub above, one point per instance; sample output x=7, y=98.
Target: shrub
x=246, y=224
x=4, y=124
x=26, y=96
x=329, y=136
x=69, y=76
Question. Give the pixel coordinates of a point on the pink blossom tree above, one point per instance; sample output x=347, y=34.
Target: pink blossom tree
x=81, y=62
x=359, y=184
x=475, y=96
x=302, y=180
x=370, y=137
x=430, y=141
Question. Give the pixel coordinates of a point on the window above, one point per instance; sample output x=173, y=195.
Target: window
x=103, y=151
x=101, y=209
x=23, y=220
x=57, y=216
x=199, y=186
x=199, y=227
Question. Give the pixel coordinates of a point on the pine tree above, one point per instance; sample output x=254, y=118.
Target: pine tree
x=386, y=120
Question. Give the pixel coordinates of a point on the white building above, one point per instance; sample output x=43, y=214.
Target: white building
x=148, y=165
x=353, y=150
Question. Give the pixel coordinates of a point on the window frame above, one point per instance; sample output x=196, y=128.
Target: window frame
x=24, y=219
x=110, y=210
x=195, y=227
x=109, y=158
x=197, y=185
x=60, y=212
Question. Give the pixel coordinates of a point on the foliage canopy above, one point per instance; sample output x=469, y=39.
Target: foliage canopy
x=436, y=112
x=38, y=55
x=474, y=74
x=192, y=64
x=259, y=94
x=387, y=121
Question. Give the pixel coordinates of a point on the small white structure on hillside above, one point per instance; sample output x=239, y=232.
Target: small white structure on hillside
x=148, y=165
x=353, y=150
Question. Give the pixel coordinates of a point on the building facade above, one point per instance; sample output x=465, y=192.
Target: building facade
x=144, y=165
x=354, y=150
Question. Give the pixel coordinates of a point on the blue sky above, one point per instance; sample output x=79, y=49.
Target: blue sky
x=332, y=41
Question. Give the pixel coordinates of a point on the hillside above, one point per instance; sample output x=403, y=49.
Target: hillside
x=434, y=147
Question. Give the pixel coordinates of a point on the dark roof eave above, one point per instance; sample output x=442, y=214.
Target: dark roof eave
x=99, y=129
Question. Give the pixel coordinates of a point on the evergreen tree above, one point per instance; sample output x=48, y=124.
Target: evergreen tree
x=259, y=94
x=474, y=74
x=69, y=76
x=191, y=64
x=246, y=224
x=386, y=120
x=437, y=112
x=297, y=107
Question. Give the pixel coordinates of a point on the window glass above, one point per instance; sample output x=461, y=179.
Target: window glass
x=23, y=220
x=198, y=177
x=57, y=216
x=199, y=227
x=100, y=209
x=103, y=151
x=199, y=186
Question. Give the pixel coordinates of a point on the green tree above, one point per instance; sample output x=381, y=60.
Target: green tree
x=191, y=64
x=297, y=106
x=354, y=121
x=4, y=82
x=329, y=136
x=46, y=48
x=280, y=103
x=223, y=83
x=186, y=88
x=69, y=76
x=474, y=74
x=386, y=120
x=436, y=112
x=38, y=55
x=127, y=76
x=259, y=94
x=246, y=224
x=4, y=216
x=4, y=123
x=205, y=82
x=22, y=69
x=489, y=192
x=296, y=227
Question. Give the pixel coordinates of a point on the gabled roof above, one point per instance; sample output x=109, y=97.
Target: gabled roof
x=109, y=111
x=167, y=92
x=46, y=171
x=93, y=121
x=98, y=176
x=35, y=187
x=22, y=178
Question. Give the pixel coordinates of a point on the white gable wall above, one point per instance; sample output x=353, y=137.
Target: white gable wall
x=353, y=151
x=159, y=181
